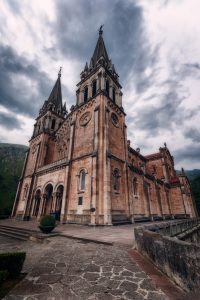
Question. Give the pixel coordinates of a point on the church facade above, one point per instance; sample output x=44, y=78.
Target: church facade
x=81, y=168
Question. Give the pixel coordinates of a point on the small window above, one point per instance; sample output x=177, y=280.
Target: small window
x=94, y=88
x=86, y=94
x=53, y=124
x=107, y=87
x=82, y=180
x=113, y=94
x=115, y=180
x=80, y=200
x=135, y=186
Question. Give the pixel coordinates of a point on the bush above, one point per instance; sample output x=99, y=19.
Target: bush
x=3, y=275
x=12, y=262
x=47, y=221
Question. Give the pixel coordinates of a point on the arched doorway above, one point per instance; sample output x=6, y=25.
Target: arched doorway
x=37, y=203
x=48, y=199
x=58, y=204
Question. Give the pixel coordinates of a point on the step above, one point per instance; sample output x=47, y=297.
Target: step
x=13, y=236
x=121, y=222
x=18, y=229
x=15, y=232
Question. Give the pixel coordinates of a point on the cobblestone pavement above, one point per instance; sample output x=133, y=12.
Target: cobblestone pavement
x=61, y=268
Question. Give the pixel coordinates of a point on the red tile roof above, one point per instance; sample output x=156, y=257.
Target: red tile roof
x=153, y=155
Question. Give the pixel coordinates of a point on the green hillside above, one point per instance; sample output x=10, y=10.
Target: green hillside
x=195, y=184
x=11, y=164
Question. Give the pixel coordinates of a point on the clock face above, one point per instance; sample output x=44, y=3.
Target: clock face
x=115, y=119
x=85, y=118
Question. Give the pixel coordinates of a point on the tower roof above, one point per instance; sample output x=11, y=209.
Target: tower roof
x=99, y=58
x=56, y=94
x=54, y=102
x=100, y=49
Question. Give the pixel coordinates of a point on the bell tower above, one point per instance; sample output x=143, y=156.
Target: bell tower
x=99, y=76
x=52, y=113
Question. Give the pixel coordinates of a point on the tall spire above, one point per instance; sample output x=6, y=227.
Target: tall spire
x=55, y=97
x=54, y=102
x=99, y=58
x=100, y=49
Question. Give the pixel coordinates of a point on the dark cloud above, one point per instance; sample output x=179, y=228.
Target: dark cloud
x=16, y=94
x=9, y=121
x=193, y=134
x=194, y=65
x=124, y=35
x=190, y=153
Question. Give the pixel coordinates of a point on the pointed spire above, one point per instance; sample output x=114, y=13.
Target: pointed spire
x=100, y=49
x=86, y=67
x=55, y=97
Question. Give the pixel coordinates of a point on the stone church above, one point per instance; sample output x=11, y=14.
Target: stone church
x=81, y=168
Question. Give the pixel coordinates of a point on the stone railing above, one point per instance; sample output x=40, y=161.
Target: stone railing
x=174, y=229
x=179, y=259
x=53, y=165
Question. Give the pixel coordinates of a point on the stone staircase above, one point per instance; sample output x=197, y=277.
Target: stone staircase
x=16, y=232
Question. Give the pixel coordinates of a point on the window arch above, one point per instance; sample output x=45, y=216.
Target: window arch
x=113, y=95
x=94, y=88
x=85, y=94
x=116, y=180
x=107, y=87
x=25, y=191
x=82, y=180
x=135, y=186
x=53, y=123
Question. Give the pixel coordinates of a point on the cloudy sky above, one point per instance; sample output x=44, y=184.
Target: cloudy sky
x=154, y=45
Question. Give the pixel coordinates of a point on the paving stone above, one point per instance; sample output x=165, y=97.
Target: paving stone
x=66, y=269
x=48, y=278
x=128, y=286
x=147, y=285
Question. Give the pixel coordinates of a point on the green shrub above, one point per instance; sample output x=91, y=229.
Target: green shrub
x=12, y=262
x=47, y=221
x=3, y=275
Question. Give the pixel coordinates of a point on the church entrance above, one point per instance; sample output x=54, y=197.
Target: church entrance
x=48, y=199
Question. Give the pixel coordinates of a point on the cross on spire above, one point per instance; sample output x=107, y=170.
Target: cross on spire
x=59, y=73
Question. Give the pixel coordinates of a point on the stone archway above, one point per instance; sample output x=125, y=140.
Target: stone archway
x=37, y=203
x=58, y=202
x=48, y=199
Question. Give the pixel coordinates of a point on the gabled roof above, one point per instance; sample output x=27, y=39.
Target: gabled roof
x=153, y=156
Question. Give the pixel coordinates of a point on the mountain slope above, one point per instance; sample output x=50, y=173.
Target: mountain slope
x=195, y=184
x=11, y=163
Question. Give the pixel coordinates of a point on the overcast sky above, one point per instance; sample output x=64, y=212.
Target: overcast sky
x=155, y=46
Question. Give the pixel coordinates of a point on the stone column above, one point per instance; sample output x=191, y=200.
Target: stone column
x=94, y=200
x=106, y=177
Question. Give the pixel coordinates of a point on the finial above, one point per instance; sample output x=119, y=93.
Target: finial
x=100, y=29
x=165, y=144
x=59, y=73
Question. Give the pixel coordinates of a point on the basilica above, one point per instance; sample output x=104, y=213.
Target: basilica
x=81, y=168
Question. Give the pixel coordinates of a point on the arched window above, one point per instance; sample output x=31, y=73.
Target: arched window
x=107, y=87
x=94, y=88
x=135, y=186
x=116, y=180
x=86, y=94
x=53, y=124
x=113, y=95
x=25, y=191
x=82, y=180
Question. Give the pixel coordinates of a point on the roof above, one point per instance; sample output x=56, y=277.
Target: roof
x=56, y=95
x=174, y=180
x=153, y=156
x=100, y=50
